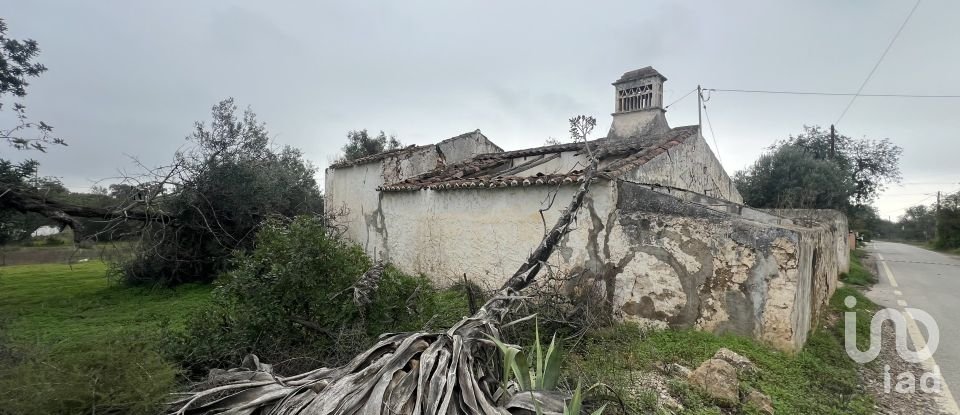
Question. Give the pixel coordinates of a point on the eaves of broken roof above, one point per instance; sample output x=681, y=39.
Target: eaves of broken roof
x=494, y=170
x=408, y=149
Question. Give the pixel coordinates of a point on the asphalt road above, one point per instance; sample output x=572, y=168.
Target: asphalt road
x=925, y=280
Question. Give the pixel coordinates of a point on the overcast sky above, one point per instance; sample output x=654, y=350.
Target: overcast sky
x=129, y=78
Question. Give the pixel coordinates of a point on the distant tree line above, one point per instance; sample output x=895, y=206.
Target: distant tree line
x=939, y=226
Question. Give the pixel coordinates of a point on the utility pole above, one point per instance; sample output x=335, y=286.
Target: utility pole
x=833, y=142
x=936, y=219
x=699, y=109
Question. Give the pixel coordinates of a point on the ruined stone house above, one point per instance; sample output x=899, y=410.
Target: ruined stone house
x=663, y=233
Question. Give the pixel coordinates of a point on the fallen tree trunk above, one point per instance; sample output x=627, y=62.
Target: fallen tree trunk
x=455, y=372
x=66, y=214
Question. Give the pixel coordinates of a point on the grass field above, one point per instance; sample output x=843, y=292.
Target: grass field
x=73, y=342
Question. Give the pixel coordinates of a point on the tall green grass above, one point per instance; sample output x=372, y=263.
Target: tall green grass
x=72, y=342
x=858, y=275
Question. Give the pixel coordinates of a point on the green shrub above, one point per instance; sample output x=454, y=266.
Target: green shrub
x=290, y=302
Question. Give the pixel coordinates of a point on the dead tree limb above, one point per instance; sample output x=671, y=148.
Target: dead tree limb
x=65, y=214
x=366, y=286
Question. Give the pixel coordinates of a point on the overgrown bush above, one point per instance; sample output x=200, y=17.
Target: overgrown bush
x=290, y=302
x=948, y=225
x=217, y=193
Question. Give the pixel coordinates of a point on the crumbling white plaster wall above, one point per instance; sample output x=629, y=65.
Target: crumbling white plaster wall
x=466, y=146
x=350, y=191
x=350, y=194
x=483, y=233
x=691, y=166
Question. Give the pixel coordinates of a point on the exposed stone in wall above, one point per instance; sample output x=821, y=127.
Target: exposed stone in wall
x=780, y=323
x=830, y=252
x=695, y=266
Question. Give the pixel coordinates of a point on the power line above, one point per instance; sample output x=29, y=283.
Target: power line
x=888, y=194
x=877, y=65
x=931, y=195
x=681, y=98
x=917, y=202
x=836, y=94
x=923, y=183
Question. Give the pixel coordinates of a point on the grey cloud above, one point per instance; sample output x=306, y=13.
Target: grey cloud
x=132, y=77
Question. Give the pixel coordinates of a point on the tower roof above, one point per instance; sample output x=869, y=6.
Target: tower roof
x=645, y=72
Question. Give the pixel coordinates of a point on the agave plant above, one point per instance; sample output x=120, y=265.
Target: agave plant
x=543, y=377
x=576, y=401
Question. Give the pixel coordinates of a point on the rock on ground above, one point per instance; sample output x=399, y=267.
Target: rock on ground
x=759, y=401
x=742, y=364
x=718, y=379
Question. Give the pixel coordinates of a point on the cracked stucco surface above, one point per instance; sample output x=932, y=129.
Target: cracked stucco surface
x=350, y=191
x=690, y=166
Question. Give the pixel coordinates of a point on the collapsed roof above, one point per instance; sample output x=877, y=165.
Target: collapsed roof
x=493, y=170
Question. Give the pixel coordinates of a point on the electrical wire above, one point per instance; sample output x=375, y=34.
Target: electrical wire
x=929, y=197
x=681, y=98
x=836, y=94
x=888, y=194
x=916, y=203
x=877, y=65
x=712, y=134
